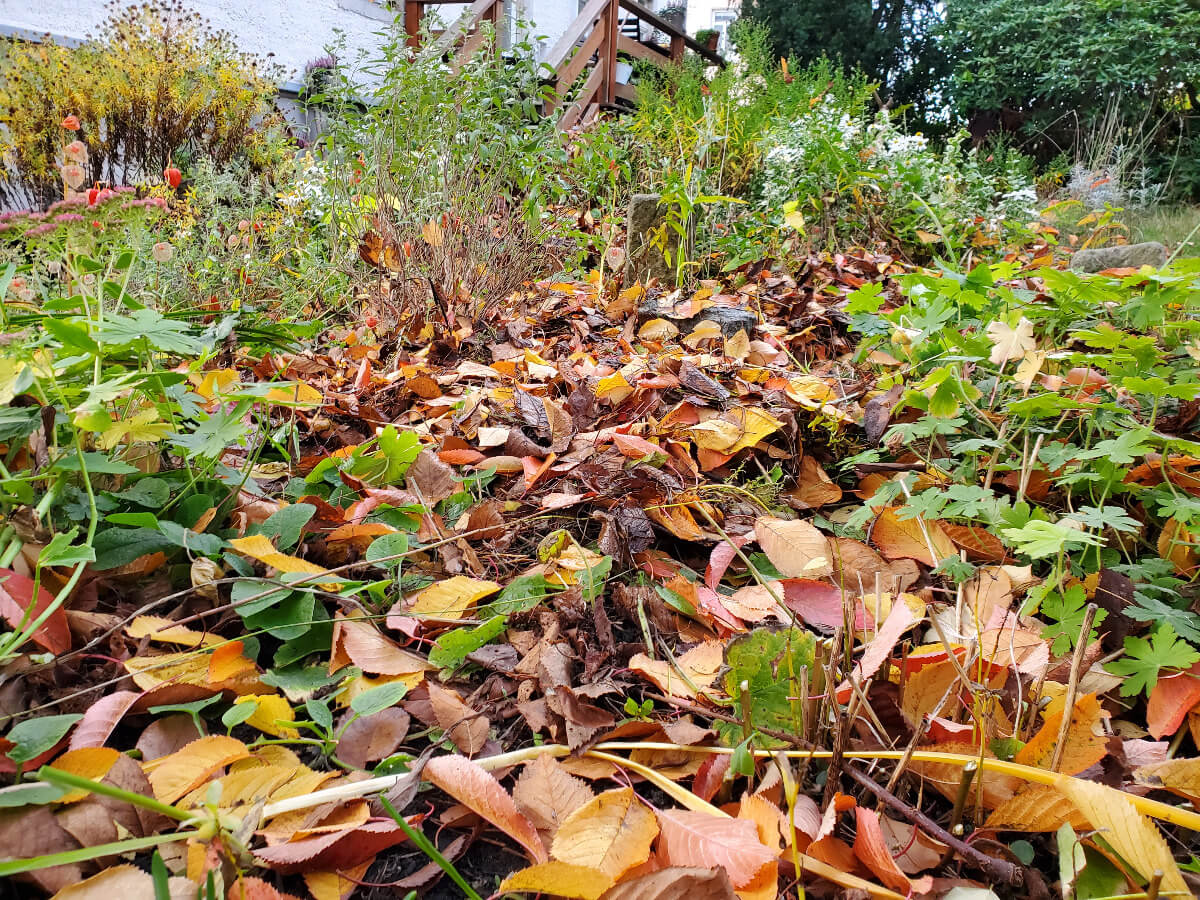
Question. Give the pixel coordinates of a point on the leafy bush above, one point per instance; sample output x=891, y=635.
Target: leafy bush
x=445, y=172
x=860, y=178
x=156, y=84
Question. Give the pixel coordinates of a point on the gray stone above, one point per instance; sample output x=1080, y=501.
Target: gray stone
x=643, y=260
x=731, y=319
x=1132, y=256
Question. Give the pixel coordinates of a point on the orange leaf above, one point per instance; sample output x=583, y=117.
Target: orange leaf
x=471, y=785
x=872, y=849
x=981, y=545
x=174, y=775
x=559, y=879
x=904, y=538
x=700, y=839
x=1171, y=700
x=93, y=763
x=1085, y=746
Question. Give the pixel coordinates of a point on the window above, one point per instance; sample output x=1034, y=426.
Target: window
x=721, y=20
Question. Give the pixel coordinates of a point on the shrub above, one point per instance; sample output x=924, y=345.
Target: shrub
x=446, y=173
x=155, y=83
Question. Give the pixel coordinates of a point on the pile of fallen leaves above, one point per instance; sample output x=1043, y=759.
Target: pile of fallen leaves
x=620, y=650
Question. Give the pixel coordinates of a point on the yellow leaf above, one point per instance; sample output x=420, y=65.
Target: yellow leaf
x=734, y=430
x=294, y=394
x=614, y=388
x=271, y=709
x=216, y=383
x=1028, y=368
x=175, y=774
x=809, y=390
x=560, y=879
x=1086, y=743
x=899, y=538
x=797, y=549
x=1135, y=837
x=612, y=833
x=1036, y=807
x=928, y=237
x=143, y=427
x=364, y=683
x=259, y=547
x=452, y=598
x=159, y=629
x=336, y=885
x=738, y=346
x=92, y=763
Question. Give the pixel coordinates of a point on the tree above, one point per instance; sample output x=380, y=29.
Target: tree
x=895, y=42
x=1057, y=73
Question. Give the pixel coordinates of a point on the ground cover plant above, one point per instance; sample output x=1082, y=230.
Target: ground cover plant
x=365, y=531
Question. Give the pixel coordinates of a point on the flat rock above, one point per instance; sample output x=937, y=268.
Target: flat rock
x=730, y=319
x=1126, y=256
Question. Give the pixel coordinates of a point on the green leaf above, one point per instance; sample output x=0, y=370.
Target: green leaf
x=521, y=594
x=70, y=334
x=1038, y=540
x=286, y=619
x=287, y=524
x=387, y=545
x=238, y=713
x=400, y=448
x=152, y=493
x=1067, y=610
x=60, y=552
x=152, y=328
x=97, y=464
x=33, y=737
x=771, y=661
x=1127, y=447
x=120, y=546
x=318, y=711
x=377, y=699
x=1145, y=659
x=300, y=683
x=449, y=650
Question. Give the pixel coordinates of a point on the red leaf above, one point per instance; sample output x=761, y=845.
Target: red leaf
x=16, y=594
x=101, y=718
x=474, y=787
x=819, y=603
x=340, y=850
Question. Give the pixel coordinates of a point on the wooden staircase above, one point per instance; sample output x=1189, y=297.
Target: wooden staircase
x=604, y=32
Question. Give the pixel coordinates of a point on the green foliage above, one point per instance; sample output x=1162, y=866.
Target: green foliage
x=895, y=42
x=1145, y=659
x=1013, y=69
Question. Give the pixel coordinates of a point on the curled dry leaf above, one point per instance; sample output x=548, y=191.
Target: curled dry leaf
x=797, y=549
x=872, y=849
x=475, y=788
x=611, y=832
x=100, y=719
x=465, y=727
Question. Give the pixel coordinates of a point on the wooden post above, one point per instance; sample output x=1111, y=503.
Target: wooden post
x=413, y=11
x=608, y=52
x=676, y=47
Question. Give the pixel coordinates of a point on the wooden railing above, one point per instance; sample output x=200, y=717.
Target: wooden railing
x=604, y=32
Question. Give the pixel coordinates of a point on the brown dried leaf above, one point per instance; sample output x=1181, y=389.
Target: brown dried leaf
x=369, y=739
x=906, y=538
x=547, y=794
x=675, y=883
x=464, y=726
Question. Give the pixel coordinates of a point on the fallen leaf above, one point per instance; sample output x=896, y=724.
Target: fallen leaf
x=451, y=598
x=560, y=879
x=466, y=728
x=547, y=794
x=127, y=882
x=174, y=775
x=1037, y=808
x=871, y=848
x=675, y=883
x=369, y=739
x=1008, y=342
x=906, y=611
x=1086, y=743
x=915, y=538
x=1131, y=834
x=18, y=607
x=611, y=832
x=1171, y=699
x=698, y=665
x=337, y=850
x=797, y=549
x=358, y=642
x=702, y=840
x=471, y=785
x=100, y=719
